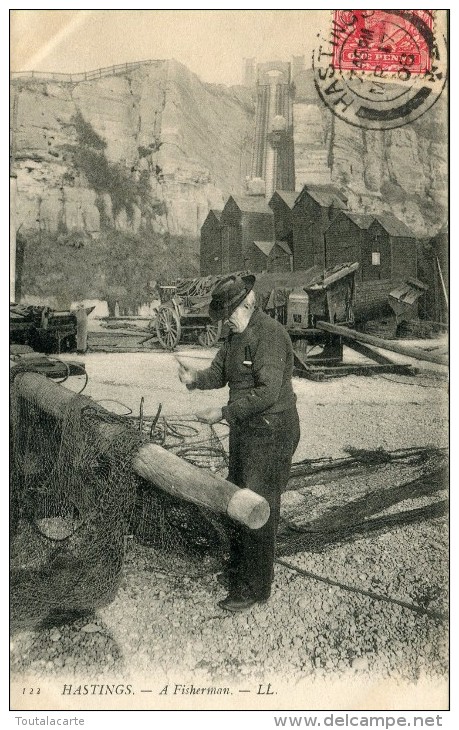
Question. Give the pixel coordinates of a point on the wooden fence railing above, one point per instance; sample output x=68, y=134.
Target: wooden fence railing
x=98, y=73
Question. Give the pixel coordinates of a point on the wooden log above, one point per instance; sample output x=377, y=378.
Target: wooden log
x=153, y=463
x=391, y=345
x=174, y=475
x=368, y=352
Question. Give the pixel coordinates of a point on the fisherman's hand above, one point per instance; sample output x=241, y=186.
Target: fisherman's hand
x=210, y=415
x=186, y=374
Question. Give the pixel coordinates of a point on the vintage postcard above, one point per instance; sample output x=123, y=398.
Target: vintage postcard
x=229, y=311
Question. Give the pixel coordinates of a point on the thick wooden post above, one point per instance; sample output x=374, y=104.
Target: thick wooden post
x=174, y=475
x=153, y=463
x=82, y=328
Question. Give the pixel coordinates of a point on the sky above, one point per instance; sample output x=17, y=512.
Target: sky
x=212, y=43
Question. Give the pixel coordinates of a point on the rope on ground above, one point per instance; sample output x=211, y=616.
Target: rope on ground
x=437, y=615
x=412, y=384
x=119, y=403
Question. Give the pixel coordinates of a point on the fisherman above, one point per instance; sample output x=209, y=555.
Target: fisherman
x=256, y=361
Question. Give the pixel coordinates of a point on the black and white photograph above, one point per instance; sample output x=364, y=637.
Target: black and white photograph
x=229, y=362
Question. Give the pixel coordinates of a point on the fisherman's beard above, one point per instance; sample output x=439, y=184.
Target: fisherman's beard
x=239, y=320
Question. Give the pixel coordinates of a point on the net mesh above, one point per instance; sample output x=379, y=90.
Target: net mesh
x=75, y=502
x=193, y=537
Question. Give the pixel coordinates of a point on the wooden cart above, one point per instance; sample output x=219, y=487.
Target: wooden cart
x=296, y=299
x=184, y=312
x=175, y=319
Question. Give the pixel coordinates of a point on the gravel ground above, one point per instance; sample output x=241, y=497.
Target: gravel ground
x=370, y=604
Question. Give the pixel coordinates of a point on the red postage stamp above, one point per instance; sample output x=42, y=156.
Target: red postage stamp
x=381, y=41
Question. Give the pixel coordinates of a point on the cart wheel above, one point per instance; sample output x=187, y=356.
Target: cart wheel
x=168, y=328
x=210, y=336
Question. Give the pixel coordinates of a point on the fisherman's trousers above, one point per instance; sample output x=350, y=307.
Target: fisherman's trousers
x=260, y=456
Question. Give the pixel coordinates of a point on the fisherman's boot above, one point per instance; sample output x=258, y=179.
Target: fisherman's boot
x=240, y=600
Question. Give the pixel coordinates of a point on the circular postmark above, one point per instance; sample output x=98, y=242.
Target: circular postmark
x=380, y=69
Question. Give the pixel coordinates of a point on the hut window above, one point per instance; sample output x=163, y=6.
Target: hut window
x=376, y=258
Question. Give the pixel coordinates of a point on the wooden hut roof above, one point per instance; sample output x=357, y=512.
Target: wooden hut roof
x=408, y=292
x=251, y=204
x=394, y=226
x=325, y=195
x=265, y=246
x=361, y=220
x=285, y=247
x=288, y=196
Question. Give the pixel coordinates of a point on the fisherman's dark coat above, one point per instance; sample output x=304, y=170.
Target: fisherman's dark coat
x=257, y=364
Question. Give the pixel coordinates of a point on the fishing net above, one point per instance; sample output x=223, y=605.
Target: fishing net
x=333, y=501
x=76, y=504
x=187, y=538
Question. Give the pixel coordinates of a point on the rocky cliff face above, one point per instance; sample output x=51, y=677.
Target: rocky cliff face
x=401, y=170
x=170, y=148
x=154, y=148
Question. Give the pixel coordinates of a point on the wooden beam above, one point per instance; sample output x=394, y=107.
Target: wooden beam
x=368, y=352
x=391, y=345
x=153, y=463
